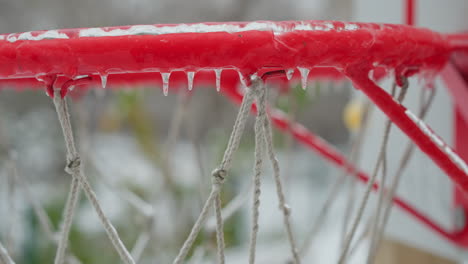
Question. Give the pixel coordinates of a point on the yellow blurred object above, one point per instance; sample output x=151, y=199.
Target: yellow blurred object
x=352, y=115
x=110, y=120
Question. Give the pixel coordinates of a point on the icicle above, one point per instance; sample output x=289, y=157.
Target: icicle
x=242, y=79
x=289, y=74
x=165, y=80
x=103, y=79
x=218, y=79
x=190, y=76
x=304, y=76
x=49, y=81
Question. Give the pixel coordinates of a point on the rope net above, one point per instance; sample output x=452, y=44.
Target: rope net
x=179, y=223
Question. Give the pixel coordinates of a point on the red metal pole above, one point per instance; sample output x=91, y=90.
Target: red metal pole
x=410, y=12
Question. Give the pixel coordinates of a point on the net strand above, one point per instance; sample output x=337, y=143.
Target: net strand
x=65, y=227
x=239, y=126
x=219, y=174
x=73, y=194
x=74, y=168
x=380, y=200
x=198, y=224
x=390, y=193
x=259, y=152
x=219, y=229
x=371, y=181
x=286, y=210
x=264, y=142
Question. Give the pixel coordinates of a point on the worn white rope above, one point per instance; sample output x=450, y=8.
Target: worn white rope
x=74, y=168
x=388, y=200
x=371, y=181
x=5, y=258
x=239, y=126
x=219, y=229
x=218, y=176
x=74, y=193
x=279, y=186
x=65, y=227
x=259, y=152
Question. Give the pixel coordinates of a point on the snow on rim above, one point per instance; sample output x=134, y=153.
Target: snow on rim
x=50, y=34
x=206, y=28
x=184, y=28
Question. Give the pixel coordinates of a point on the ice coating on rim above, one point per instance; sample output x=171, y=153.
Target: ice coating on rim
x=436, y=139
x=254, y=46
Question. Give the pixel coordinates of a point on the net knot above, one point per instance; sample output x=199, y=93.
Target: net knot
x=219, y=175
x=73, y=164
